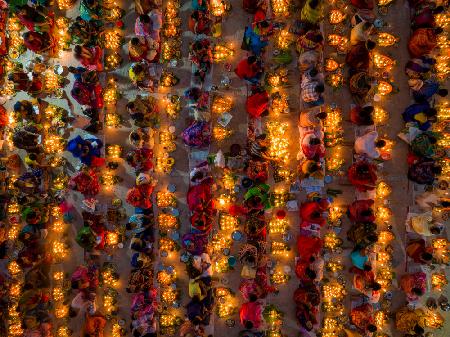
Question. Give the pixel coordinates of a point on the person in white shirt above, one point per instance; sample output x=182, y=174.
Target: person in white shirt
x=368, y=145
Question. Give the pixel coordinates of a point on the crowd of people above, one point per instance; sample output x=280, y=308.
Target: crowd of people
x=424, y=160
x=33, y=203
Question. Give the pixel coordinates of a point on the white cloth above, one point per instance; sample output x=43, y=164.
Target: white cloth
x=365, y=144
x=82, y=304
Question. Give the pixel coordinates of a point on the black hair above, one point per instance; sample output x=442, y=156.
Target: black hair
x=442, y=92
x=376, y=286
x=322, y=115
x=135, y=41
x=370, y=45
x=417, y=291
x=138, y=68
x=252, y=297
x=264, y=24
x=248, y=325
x=372, y=238
x=367, y=267
x=251, y=59
x=367, y=212
x=320, y=88
x=310, y=273
x=371, y=328
x=427, y=256
x=438, y=30
x=436, y=169
x=313, y=4
x=314, y=141
x=435, y=230
x=418, y=329
x=77, y=49
x=144, y=18
x=431, y=112
x=380, y=143
x=367, y=110
x=313, y=72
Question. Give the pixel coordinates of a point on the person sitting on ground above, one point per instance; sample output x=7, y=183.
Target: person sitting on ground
x=257, y=103
x=360, y=33
x=311, y=118
x=424, y=171
x=308, y=60
x=143, y=26
x=142, y=49
x=370, y=289
x=414, y=285
x=311, y=92
x=312, y=145
x=362, y=116
x=363, y=176
x=421, y=114
x=250, y=314
x=312, y=40
x=419, y=252
x=368, y=145
x=424, y=144
x=312, y=212
x=311, y=169
x=249, y=69
x=359, y=259
x=199, y=23
x=253, y=41
x=423, y=91
x=312, y=12
x=361, y=211
x=91, y=58
x=362, y=234
x=360, y=84
x=423, y=41
x=358, y=57
x=362, y=317
x=420, y=66
x=424, y=16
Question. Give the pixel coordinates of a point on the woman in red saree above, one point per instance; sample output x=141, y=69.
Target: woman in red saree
x=361, y=211
x=257, y=104
x=251, y=312
x=90, y=58
x=311, y=212
x=37, y=42
x=199, y=23
x=308, y=246
x=363, y=176
x=249, y=69
x=423, y=41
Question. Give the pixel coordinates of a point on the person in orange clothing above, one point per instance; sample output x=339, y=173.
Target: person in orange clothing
x=311, y=212
x=423, y=41
x=249, y=69
x=414, y=285
x=362, y=317
x=363, y=176
x=361, y=211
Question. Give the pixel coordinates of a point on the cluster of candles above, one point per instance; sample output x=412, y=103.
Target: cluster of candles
x=171, y=44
